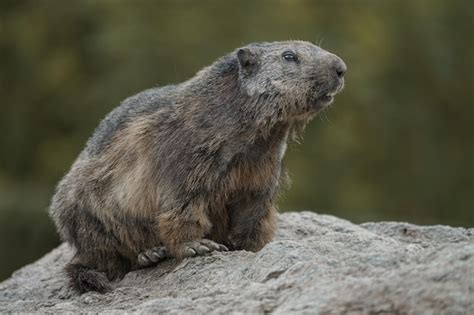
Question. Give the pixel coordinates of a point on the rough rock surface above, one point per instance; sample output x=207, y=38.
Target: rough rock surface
x=316, y=264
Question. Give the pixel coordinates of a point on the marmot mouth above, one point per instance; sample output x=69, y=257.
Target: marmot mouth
x=328, y=97
x=317, y=103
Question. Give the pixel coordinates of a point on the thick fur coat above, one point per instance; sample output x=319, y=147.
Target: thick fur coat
x=194, y=167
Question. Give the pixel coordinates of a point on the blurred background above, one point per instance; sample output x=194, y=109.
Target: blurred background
x=397, y=144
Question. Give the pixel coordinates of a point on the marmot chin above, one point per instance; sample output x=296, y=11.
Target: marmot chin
x=186, y=169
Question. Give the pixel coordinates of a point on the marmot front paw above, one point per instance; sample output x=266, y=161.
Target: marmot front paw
x=152, y=256
x=200, y=247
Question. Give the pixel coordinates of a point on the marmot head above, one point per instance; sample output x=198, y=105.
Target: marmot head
x=297, y=78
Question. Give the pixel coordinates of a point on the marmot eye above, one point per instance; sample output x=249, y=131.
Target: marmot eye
x=289, y=56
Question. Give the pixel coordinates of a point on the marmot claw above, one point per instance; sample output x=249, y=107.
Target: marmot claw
x=152, y=256
x=201, y=247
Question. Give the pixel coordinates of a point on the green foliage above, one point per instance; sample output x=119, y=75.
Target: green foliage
x=397, y=144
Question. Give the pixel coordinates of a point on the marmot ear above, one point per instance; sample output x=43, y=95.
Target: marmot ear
x=248, y=59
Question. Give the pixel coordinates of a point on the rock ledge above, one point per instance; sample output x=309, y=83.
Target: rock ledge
x=316, y=264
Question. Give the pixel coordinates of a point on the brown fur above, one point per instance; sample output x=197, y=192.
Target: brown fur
x=180, y=166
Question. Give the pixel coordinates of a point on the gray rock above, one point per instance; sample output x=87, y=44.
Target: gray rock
x=316, y=264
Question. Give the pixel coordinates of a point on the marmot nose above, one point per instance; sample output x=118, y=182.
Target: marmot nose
x=340, y=68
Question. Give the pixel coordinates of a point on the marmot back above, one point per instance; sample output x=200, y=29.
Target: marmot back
x=187, y=169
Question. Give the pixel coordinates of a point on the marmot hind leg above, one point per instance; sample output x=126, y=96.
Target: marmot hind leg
x=84, y=278
x=94, y=271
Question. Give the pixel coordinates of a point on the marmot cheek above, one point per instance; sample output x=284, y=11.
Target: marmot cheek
x=280, y=86
x=253, y=89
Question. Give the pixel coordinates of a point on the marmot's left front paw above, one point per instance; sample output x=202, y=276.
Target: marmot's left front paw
x=152, y=256
x=200, y=247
